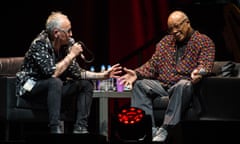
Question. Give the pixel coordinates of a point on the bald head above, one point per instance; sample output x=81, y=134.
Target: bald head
x=176, y=16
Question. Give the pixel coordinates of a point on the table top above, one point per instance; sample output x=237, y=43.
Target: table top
x=112, y=94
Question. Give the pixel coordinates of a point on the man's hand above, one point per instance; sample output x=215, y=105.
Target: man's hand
x=76, y=49
x=196, y=77
x=114, y=71
x=128, y=78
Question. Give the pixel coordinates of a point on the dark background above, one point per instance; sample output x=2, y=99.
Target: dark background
x=124, y=31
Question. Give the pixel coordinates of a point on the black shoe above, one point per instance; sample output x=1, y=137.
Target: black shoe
x=56, y=130
x=80, y=130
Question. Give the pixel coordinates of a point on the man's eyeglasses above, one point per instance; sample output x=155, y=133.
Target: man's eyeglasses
x=176, y=26
x=66, y=31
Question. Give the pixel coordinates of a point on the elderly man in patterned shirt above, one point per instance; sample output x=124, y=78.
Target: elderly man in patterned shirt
x=50, y=73
x=180, y=60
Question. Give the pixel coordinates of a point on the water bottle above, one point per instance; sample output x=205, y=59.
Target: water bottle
x=110, y=82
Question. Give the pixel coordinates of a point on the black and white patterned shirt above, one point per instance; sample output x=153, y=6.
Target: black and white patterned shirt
x=40, y=63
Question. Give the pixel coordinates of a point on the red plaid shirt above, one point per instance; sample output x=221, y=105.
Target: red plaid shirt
x=199, y=53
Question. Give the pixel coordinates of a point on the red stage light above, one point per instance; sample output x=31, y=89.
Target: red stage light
x=132, y=125
x=131, y=115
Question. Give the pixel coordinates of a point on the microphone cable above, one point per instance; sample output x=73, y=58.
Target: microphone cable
x=88, y=51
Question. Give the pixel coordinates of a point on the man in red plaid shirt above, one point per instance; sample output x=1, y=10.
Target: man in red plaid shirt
x=180, y=61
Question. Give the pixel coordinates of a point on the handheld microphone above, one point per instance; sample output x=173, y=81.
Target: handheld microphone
x=72, y=42
x=202, y=71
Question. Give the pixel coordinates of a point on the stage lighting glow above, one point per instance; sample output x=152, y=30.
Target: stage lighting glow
x=131, y=125
x=131, y=115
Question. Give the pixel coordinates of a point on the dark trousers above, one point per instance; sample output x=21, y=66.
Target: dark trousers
x=180, y=94
x=54, y=93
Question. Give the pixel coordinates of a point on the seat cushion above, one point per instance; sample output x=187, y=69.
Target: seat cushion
x=10, y=65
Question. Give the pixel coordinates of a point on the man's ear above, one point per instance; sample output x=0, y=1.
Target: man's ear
x=56, y=33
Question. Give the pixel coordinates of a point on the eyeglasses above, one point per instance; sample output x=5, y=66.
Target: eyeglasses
x=176, y=26
x=66, y=31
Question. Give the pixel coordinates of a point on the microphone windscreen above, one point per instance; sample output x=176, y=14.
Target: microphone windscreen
x=71, y=41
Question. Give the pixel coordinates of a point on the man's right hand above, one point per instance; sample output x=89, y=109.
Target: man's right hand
x=128, y=78
x=76, y=49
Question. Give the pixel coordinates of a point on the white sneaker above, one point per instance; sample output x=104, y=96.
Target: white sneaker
x=154, y=131
x=161, y=135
